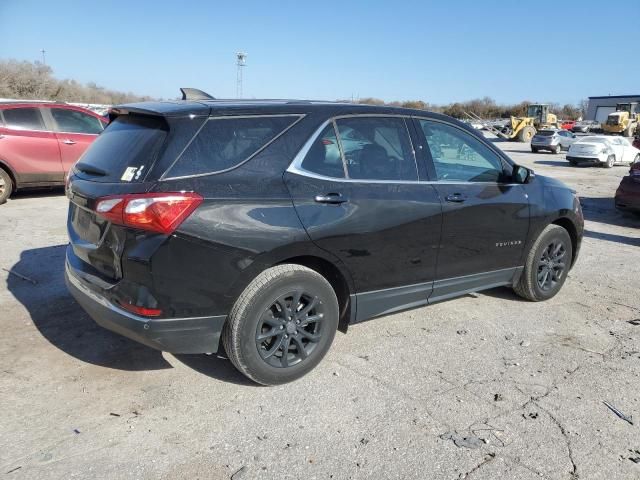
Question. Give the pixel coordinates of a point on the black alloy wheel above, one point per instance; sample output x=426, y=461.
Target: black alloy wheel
x=290, y=329
x=551, y=265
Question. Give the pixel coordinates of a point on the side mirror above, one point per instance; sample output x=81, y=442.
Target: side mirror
x=522, y=174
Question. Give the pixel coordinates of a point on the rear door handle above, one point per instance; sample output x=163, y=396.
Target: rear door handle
x=456, y=198
x=332, y=198
x=68, y=142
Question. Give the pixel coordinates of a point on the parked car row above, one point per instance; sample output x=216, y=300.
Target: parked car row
x=40, y=141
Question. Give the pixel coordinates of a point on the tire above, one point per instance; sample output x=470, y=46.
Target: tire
x=263, y=308
x=573, y=162
x=6, y=186
x=534, y=149
x=558, y=149
x=536, y=265
x=526, y=134
x=611, y=159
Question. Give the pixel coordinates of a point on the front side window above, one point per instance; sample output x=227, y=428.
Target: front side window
x=224, y=143
x=73, y=121
x=377, y=148
x=23, y=118
x=457, y=155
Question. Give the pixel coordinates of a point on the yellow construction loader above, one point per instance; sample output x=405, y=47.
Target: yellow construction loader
x=524, y=128
x=624, y=120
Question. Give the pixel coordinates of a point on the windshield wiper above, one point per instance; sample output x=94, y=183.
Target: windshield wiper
x=83, y=167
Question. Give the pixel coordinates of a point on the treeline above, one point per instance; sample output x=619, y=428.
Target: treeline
x=35, y=81
x=484, y=107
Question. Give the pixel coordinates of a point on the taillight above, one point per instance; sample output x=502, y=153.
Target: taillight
x=156, y=212
x=147, y=312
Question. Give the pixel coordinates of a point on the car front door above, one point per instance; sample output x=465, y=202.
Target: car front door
x=566, y=139
x=75, y=131
x=363, y=201
x=485, y=216
x=28, y=147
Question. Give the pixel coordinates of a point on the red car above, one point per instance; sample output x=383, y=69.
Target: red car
x=628, y=193
x=40, y=141
x=568, y=125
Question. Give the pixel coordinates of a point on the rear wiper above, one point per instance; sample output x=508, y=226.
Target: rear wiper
x=83, y=167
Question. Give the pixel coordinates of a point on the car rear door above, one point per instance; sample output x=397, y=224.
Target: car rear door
x=485, y=217
x=29, y=147
x=363, y=201
x=75, y=130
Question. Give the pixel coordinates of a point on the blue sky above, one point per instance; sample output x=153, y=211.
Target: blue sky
x=436, y=51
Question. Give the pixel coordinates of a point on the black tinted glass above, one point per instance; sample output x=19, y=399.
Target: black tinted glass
x=73, y=121
x=224, y=143
x=324, y=157
x=23, y=118
x=457, y=155
x=377, y=148
x=125, y=151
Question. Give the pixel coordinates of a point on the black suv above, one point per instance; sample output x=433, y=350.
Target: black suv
x=267, y=225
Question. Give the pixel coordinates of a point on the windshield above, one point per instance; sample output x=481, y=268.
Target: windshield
x=534, y=111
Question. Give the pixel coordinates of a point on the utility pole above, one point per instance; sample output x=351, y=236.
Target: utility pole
x=241, y=62
x=44, y=60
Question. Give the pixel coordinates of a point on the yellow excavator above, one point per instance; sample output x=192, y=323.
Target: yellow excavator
x=624, y=120
x=524, y=128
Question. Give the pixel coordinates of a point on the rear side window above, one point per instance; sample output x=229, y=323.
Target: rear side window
x=224, y=143
x=125, y=151
x=23, y=119
x=73, y=121
x=324, y=156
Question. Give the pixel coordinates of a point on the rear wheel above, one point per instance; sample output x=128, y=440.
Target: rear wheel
x=546, y=266
x=557, y=149
x=534, y=149
x=6, y=186
x=282, y=325
x=611, y=159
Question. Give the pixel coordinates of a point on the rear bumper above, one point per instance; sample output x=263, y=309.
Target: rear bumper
x=175, y=335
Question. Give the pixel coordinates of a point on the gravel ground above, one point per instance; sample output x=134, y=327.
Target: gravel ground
x=485, y=386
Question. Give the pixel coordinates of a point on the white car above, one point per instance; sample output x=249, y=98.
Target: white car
x=602, y=150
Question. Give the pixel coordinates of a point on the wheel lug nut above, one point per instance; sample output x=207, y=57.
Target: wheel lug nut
x=281, y=327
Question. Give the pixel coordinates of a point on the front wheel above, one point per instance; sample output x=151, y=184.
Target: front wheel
x=557, y=149
x=282, y=325
x=546, y=266
x=611, y=159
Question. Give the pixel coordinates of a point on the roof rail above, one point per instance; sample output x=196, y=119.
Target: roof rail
x=195, y=94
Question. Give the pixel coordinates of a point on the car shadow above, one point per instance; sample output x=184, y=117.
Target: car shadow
x=603, y=210
x=37, y=193
x=503, y=293
x=556, y=163
x=611, y=237
x=66, y=326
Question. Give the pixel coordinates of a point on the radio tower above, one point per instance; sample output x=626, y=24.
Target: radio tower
x=241, y=62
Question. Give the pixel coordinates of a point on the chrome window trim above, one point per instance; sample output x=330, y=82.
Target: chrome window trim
x=300, y=116
x=296, y=165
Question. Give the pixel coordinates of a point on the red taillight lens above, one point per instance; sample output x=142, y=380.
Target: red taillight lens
x=147, y=312
x=156, y=212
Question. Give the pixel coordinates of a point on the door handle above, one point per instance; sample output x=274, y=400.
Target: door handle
x=332, y=198
x=456, y=198
x=68, y=142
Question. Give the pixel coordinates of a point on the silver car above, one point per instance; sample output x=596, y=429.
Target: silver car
x=554, y=140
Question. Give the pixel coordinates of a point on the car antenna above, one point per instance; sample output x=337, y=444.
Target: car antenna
x=195, y=94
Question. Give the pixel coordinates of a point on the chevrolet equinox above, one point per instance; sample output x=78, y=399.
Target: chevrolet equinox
x=265, y=226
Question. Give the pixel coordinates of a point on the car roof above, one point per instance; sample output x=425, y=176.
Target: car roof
x=264, y=106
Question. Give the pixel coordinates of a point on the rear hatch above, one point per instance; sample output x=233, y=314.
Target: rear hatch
x=127, y=158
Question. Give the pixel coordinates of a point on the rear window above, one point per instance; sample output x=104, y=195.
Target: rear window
x=125, y=151
x=226, y=142
x=546, y=133
x=23, y=118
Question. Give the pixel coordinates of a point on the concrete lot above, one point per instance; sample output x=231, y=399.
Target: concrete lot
x=483, y=387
